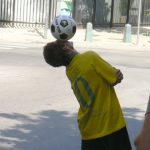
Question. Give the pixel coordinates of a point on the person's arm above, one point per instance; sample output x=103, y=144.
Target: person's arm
x=148, y=107
x=142, y=141
x=112, y=75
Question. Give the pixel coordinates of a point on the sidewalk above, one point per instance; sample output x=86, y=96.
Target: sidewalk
x=27, y=80
x=111, y=38
x=102, y=38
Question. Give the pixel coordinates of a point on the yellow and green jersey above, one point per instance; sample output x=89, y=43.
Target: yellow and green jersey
x=91, y=80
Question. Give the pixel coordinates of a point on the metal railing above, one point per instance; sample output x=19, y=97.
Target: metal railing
x=36, y=13
x=26, y=13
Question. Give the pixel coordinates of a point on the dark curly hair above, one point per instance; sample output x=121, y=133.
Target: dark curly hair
x=54, y=54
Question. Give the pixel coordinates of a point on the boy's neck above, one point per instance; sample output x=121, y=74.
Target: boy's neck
x=70, y=56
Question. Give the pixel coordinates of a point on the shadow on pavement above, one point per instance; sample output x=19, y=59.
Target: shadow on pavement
x=51, y=130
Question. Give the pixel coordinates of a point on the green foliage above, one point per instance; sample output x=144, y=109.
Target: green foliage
x=123, y=7
x=147, y=12
x=147, y=33
x=69, y=4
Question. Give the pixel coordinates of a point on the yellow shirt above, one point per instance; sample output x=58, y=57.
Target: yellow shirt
x=91, y=80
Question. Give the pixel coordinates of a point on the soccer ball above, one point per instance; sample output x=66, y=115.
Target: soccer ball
x=63, y=27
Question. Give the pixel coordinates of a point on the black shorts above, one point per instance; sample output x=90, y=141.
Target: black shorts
x=116, y=141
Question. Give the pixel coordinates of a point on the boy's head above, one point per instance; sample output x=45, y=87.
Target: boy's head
x=56, y=53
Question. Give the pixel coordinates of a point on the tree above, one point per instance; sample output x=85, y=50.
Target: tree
x=123, y=7
x=147, y=12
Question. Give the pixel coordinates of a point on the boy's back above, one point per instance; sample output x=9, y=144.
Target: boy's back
x=100, y=113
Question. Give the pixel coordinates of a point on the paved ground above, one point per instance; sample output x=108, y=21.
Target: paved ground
x=38, y=108
x=101, y=37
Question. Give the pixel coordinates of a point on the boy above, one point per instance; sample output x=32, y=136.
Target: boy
x=100, y=118
x=142, y=141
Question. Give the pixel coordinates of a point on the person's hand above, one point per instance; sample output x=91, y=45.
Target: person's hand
x=68, y=46
x=137, y=142
x=119, y=77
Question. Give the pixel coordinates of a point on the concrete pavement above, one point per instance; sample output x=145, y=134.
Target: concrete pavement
x=103, y=38
x=34, y=107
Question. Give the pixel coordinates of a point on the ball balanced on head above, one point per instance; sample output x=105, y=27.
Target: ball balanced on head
x=63, y=27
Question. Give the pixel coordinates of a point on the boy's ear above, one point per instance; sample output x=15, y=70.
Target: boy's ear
x=67, y=49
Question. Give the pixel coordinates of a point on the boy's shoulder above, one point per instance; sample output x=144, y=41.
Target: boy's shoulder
x=90, y=53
